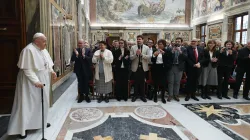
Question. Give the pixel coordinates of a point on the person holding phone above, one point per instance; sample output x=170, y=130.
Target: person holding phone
x=225, y=63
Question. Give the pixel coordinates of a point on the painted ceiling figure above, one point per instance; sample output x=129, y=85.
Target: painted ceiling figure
x=151, y=7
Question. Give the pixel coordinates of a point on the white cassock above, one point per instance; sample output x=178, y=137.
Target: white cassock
x=35, y=65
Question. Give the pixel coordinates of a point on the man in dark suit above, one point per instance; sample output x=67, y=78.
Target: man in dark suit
x=194, y=62
x=227, y=56
x=177, y=58
x=243, y=66
x=82, y=57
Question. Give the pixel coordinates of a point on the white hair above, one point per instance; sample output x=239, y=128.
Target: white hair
x=38, y=35
x=80, y=40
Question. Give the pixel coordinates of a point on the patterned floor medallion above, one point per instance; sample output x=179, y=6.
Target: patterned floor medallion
x=233, y=120
x=122, y=123
x=86, y=115
x=150, y=112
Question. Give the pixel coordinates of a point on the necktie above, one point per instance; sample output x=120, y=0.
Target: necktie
x=140, y=48
x=195, y=55
x=176, y=54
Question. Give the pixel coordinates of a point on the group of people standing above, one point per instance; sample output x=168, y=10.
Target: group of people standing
x=210, y=66
x=116, y=65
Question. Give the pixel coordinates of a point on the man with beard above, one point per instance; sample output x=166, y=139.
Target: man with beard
x=139, y=55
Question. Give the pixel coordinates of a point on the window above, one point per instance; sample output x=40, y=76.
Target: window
x=203, y=32
x=240, y=28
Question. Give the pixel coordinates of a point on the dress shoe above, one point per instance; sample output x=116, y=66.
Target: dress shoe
x=246, y=98
x=226, y=97
x=118, y=99
x=48, y=125
x=155, y=98
x=144, y=99
x=219, y=97
x=203, y=96
x=235, y=96
x=187, y=98
x=134, y=99
x=208, y=97
x=125, y=99
x=194, y=98
x=150, y=97
x=106, y=99
x=80, y=99
x=23, y=137
x=163, y=100
x=100, y=99
x=169, y=98
x=87, y=99
x=176, y=97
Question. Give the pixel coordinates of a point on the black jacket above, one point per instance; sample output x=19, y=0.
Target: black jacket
x=181, y=59
x=207, y=59
x=191, y=57
x=227, y=60
x=118, y=62
x=83, y=64
x=165, y=59
x=243, y=60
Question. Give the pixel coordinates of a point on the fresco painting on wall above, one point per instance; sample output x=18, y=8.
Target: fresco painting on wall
x=200, y=8
x=141, y=11
x=204, y=7
x=56, y=38
x=239, y=1
x=173, y=35
x=216, y=5
x=67, y=6
x=215, y=31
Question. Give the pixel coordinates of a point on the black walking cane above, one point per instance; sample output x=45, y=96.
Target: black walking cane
x=42, y=115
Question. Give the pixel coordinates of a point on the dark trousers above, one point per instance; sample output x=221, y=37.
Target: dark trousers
x=159, y=78
x=122, y=83
x=83, y=84
x=239, y=78
x=193, y=75
x=223, y=71
x=139, y=76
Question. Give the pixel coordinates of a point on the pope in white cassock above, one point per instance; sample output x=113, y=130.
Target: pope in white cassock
x=35, y=69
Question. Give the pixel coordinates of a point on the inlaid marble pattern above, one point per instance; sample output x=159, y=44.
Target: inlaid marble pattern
x=232, y=119
x=125, y=128
x=123, y=118
x=150, y=112
x=86, y=115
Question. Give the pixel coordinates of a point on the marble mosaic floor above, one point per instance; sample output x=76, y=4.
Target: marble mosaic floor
x=232, y=119
x=137, y=120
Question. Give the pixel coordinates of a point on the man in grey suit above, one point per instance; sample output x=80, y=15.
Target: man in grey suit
x=177, y=62
x=139, y=55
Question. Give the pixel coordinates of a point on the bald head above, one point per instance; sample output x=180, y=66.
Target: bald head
x=80, y=43
x=39, y=40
